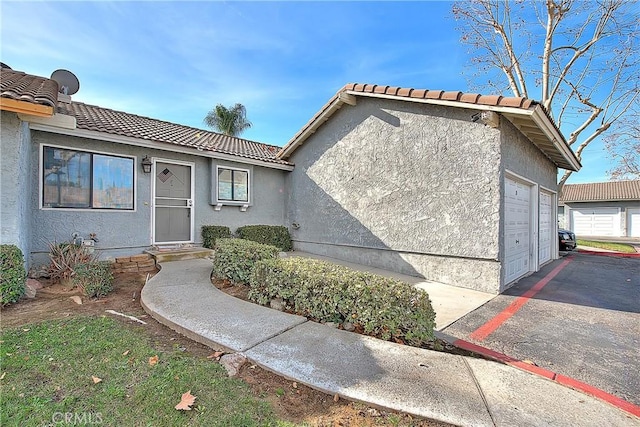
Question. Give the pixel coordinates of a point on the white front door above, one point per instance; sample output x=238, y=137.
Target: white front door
x=173, y=202
x=596, y=222
x=546, y=227
x=517, y=230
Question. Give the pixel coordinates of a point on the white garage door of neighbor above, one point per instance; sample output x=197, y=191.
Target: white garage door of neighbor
x=596, y=222
x=517, y=232
x=546, y=227
x=634, y=222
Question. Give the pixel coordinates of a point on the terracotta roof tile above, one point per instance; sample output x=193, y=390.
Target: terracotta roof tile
x=451, y=96
x=404, y=91
x=27, y=88
x=434, y=94
x=380, y=89
x=601, y=191
x=418, y=93
x=392, y=90
x=93, y=118
x=471, y=98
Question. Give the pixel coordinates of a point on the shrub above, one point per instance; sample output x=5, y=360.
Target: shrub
x=12, y=274
x=65, y=257
x=212, y=232
x=94, y=278
x=274, y=235
x=385, y=308
x=235, y=258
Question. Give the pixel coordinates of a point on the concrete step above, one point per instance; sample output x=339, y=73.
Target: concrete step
x=178, y=254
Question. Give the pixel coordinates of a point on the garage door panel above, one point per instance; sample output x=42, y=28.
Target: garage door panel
x=634, y=222
x=517, y=229
x=596, y=222
x=545, y=228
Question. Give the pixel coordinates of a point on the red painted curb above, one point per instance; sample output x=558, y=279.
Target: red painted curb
x=613, y=254
x=487, y=329
x=550, y=375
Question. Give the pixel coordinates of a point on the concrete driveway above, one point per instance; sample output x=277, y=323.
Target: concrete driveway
x=579, y=316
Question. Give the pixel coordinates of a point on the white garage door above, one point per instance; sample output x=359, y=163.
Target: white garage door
x=596, y=222
x=634, y=222
x=517, y=231
x=546, y=227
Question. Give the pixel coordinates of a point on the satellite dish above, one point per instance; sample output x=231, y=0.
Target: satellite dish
x=67, y=81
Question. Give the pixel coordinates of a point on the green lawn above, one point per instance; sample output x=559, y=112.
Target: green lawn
x=47, y=368
x=618, y=247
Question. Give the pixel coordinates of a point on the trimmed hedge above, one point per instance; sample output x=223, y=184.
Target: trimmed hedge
x=95, y=278
x=385, y=308
x=212, y=232
x=12, y=274
x=274, y=235
x=235, y=258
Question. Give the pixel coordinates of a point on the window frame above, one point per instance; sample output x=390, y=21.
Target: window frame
x=231, y=201
x=91, y=152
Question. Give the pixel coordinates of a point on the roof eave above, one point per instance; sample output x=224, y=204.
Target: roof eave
x=23, y=107
x=127, y=140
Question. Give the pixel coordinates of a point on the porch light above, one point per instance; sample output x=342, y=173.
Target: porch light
x=146, y=165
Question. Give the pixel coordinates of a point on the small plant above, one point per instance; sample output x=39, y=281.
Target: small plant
x=64, y=258
x=94, y=278
x=383, y=307
x=12, y=274
x=274, y=235
x=212, y=232
x=235, y=258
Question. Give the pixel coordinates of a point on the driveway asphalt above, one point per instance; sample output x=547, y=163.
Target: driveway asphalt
x=583, y=323
x=450, y=388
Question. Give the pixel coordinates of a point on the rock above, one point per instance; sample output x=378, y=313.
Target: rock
x=331, y=324
x=33, y=283
x=31, y=287
x=76, y=299
x=348, y=326
x=232, y=363
x=277, y=304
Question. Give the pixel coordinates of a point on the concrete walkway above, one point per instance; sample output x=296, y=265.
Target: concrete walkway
x=440, y=386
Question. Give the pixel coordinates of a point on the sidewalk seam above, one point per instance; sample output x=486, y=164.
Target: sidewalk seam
x=482, y=396
x=277, y=334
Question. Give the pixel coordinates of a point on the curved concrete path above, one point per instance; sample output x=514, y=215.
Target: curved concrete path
x=454, y=389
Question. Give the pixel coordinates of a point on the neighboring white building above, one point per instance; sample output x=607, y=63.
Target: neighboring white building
x=601, y=209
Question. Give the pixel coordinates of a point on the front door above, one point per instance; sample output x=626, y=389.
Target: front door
x=173, y=202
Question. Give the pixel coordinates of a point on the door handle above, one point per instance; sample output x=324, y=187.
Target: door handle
x=189, y=202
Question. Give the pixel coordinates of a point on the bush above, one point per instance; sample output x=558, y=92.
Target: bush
x=274, y=235
x=384, y=308
x=65, y=257
x=212, y=232
x=235, y=258
x=12, y=274
x=94, y=278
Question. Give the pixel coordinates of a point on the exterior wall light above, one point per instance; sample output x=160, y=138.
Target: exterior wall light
x=146, y=165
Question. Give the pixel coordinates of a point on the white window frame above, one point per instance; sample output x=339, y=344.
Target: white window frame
x=90, y=151
x=220, y=202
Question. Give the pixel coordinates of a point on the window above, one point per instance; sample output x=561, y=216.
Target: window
x=233, y=185
x=78, y=179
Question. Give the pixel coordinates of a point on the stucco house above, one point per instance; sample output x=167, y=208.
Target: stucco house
x=455, y=187
x=601, y=209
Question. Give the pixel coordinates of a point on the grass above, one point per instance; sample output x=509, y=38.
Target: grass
x=47, y=368
x=618, y=247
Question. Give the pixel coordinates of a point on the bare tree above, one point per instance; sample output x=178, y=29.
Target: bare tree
x=623, y=145
x=578, y=58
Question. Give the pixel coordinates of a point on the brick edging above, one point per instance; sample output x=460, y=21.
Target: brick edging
x=142, y=263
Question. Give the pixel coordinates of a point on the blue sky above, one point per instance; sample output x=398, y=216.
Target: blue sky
x=283, y=60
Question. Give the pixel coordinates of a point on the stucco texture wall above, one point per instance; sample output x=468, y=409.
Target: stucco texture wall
x=14, y=189
x=123, y=233
x=413, y=184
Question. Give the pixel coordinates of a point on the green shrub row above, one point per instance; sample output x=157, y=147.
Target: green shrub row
x=235, y=259
x=95, y=278
x=12, y=274
x=385, y=308
x=212, y=232
x=274, y=235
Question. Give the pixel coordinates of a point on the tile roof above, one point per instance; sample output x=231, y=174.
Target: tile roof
x=558, y=151
x=104, y=120
x=24, y=87
x=601, y=191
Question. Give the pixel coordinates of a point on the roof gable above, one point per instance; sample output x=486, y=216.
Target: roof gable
x=527, y=115
x=24, y=93
x=601, y=191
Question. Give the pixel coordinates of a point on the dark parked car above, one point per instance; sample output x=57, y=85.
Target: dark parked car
x=566, y=240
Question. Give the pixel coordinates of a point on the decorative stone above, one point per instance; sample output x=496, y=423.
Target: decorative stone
x=348, y=326
x=30, y=288
x=277, y=304
x=331, y=324
x=232, y=363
